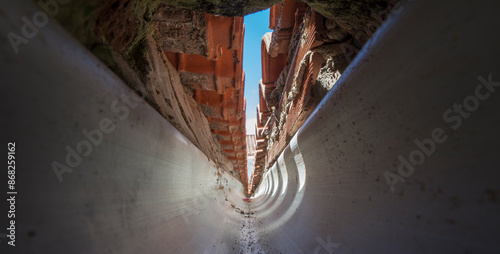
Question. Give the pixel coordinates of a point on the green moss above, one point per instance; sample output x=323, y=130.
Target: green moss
x=78, y=18
x=144, y=9
x=137, y=56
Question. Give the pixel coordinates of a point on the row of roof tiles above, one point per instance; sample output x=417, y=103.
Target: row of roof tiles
x=217, y=80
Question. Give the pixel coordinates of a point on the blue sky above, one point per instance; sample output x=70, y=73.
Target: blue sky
x=256, y=25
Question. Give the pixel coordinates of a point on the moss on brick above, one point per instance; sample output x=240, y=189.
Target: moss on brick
x=78, y=18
